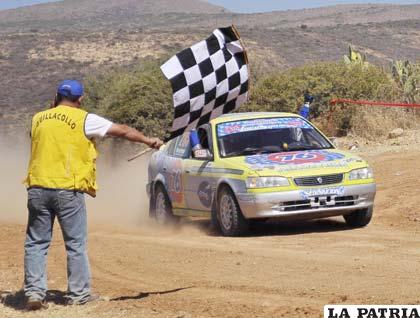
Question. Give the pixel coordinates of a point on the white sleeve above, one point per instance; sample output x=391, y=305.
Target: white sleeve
x=96, y=126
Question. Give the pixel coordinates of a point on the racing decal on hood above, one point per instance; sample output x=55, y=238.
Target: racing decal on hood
x=294, y=158
x=288, y=161
x=308, y=193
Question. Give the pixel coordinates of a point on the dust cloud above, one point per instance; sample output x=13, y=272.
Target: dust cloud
x=13, y=167
x=121, y=199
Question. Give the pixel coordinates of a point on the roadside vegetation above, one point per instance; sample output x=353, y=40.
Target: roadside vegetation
x=140, y=96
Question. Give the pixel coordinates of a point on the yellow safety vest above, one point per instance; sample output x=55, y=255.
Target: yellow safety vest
x=62, y=157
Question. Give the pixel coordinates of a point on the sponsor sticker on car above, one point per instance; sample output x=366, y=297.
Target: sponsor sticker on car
x=309, y=193
x=235, y=127
x=294, y=158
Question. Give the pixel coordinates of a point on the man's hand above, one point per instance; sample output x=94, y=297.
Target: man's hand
x=155, y=143
x=134, y=135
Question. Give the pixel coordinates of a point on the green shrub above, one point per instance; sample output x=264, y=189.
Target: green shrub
x=283, y=91
x=407, y=77
x=139, y=96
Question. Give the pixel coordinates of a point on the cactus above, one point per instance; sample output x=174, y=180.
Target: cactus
x=355, y=57
x=407, y=77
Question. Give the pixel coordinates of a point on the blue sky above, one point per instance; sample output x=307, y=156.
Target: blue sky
x=245, y=5
x=8, y=4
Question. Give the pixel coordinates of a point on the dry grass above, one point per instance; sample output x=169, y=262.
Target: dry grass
x=100, y=48
x=4, y=50
x=374, y=123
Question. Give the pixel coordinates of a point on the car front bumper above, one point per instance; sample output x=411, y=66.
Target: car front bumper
x=307, y=203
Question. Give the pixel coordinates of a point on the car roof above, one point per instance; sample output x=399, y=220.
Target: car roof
x=250, y=115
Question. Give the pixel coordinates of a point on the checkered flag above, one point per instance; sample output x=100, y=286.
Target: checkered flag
x=208, y=79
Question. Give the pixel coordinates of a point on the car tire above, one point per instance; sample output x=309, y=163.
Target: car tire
x=162, y=208
x=214, y=221
x=230, y=218
x=359, y=218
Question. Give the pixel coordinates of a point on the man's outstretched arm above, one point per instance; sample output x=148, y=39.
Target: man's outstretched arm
x=132, y=134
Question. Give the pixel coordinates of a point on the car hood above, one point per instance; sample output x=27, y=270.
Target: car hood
x=299, y=163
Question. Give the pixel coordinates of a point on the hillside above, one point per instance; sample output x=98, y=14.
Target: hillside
x=41, y=44
x=334, y=15
x=164, y=14
x=69, y=10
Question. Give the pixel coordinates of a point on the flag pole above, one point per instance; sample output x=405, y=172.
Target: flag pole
x=235, y=30
x=140, y=154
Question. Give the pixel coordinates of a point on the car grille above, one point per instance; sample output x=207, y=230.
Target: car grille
x=319, y=180
x=346, y=201
x=315, y=203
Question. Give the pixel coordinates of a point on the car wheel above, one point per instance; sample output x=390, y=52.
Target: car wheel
x=359, y=218
x=162, y=208
x=214, y=220
x=231, y=220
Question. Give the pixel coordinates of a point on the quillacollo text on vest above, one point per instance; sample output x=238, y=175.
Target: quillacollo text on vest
x=57, y=116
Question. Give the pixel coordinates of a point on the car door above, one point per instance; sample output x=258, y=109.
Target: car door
x=199, y=180
x=172, y=169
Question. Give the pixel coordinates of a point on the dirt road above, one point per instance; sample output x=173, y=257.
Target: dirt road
x=280, y=270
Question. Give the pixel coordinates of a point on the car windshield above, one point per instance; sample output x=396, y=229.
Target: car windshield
x=268, y=135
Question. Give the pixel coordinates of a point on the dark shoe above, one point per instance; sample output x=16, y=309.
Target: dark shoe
x=90, y=299
x=36, y=304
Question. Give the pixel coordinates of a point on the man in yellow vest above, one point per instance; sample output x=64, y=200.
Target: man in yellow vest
x=62, y=168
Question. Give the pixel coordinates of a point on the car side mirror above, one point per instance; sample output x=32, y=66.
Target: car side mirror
x=202, y=154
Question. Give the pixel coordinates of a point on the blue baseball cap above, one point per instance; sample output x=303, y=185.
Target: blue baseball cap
x=69, y=88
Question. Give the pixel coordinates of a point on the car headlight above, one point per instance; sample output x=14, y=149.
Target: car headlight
x=266, y=182
x=364, y=173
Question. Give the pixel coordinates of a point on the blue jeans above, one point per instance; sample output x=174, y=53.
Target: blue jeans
x=69, y=207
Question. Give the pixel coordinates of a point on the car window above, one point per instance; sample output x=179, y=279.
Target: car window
x=204, y=134
x=182, y=147
x=312, y=138
x=169, y=149
x=268, y=135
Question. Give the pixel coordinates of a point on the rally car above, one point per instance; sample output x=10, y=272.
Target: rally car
x=258, y=166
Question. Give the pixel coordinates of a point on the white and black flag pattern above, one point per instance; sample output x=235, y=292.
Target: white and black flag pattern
x=208, y=79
